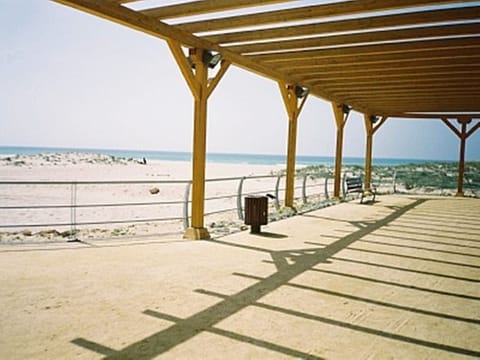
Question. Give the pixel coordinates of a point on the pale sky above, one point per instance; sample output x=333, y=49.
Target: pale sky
x=69, y=79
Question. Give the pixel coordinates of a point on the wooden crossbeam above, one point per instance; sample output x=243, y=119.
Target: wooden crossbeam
x=360, y=24
x=305, y=12
x=370, y=50
x=203, y=7
x=409, y=68
x=359, y=38
x=409, y=80
x=389, y=61
x=396, y=76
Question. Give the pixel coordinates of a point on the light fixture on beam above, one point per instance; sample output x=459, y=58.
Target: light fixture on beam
x=301, y=91
x=209, y=58
x=346, y=109
x=374, y=118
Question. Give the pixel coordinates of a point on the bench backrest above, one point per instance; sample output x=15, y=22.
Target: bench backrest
x=354, y=184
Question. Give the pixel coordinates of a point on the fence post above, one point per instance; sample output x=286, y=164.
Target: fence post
x=186, y=222
x=277, y=196
x=327, y=196
x=73, y=211
x=304, y=189
x=239, y=198
x=394, y=181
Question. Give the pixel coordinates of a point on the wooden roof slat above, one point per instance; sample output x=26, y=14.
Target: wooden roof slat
x=407, y=67
x=387, y=84
x=425, y=97
x=352, y=92
x=422, y=59
x=338, y=26
x=366, y=37
x=391, y=84
x=121, y=1
x=367, y=76
x=376, y=49
x=203, y=7
x=305, y=13
x=373, y=94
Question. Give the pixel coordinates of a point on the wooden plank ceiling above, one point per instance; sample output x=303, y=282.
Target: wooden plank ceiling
x=388, y=57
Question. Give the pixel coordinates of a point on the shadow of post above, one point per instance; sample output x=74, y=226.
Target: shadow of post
x=298, y=262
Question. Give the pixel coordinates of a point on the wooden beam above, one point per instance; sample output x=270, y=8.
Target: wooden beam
x=394, y=74
x=216, y=80
x=374, y=92
x=135, y=20
x=382, y=36
x=452, y=127
x=421, y=95
x=353, y=88
x=428, y=108
x=436, y=117
x=473, y=129
x=203, y=7
x=294, y=106
x=201, y=89
x=197, y=229
x=340, y=121
x=354, y=62
x=387, y=68
x=410, y=80
x=370, y=129
x=184, y=66
x=368, y=151
x=304, y=12
x=406, y=47
x=461, y=162
x=359, y=24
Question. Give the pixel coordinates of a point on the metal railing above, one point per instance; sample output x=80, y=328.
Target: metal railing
x=64, y=202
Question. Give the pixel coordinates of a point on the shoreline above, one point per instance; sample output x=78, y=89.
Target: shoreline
x=214, y=157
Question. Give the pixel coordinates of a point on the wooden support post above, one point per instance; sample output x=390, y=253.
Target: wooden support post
x=198, y=231
x=368, y=152
x=463, y=135
x=371, y=126
x=196, y=76
x=291, y=100
x=461, y=161
x=341, y=116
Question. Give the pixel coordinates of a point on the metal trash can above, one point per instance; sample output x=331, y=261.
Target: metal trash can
x=256, y=212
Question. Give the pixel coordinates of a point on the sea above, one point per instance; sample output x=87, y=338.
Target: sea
x=257, y=159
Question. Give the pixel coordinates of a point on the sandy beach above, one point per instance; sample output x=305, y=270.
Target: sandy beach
x=162, y=181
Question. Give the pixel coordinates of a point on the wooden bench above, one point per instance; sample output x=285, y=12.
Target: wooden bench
x=355, y=185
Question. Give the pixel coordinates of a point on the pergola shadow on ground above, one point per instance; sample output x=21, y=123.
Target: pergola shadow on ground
x=398, y=278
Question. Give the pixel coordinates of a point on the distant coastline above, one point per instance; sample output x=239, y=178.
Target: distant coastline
x=253, y=159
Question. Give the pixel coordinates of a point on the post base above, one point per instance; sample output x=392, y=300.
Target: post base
x=459, y=194
x=255, y=229
x=196, y=234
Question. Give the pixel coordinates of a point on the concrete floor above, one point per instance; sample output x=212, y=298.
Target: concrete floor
x=398, y=279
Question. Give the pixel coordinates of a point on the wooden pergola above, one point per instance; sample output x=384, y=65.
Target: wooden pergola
x=390, y=58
